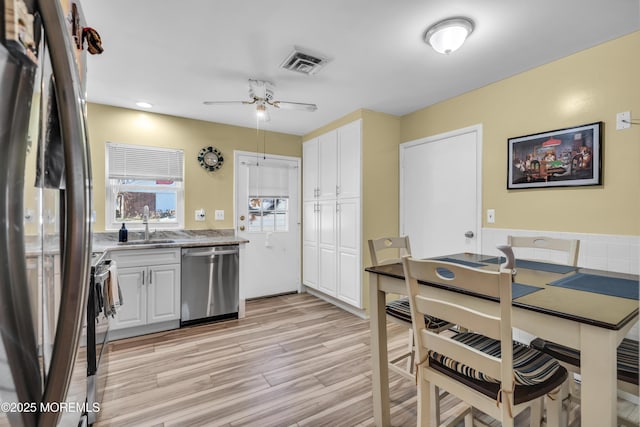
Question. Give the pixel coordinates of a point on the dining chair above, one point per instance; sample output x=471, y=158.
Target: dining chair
x=627, y=369
x=484, y=368
x=390, y=250
x=569, y=246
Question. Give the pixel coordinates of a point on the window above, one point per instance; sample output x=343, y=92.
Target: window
x=268, y=214
x=269, y=197
x=138, y=176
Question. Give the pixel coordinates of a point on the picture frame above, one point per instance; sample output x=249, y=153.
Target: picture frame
x=567, y=157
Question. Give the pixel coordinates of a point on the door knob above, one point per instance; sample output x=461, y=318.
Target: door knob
x=469, y=234
x=242, y=228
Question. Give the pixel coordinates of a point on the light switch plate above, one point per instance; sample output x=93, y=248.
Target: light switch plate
x=491, y=216
x=219, y=215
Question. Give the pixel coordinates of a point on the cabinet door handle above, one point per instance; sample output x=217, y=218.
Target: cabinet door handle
x=150, y=277
x=143, y=277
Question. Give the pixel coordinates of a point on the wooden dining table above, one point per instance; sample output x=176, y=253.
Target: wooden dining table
x=594, y=323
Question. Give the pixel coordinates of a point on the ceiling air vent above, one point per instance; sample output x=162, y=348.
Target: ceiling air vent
x=303, y=62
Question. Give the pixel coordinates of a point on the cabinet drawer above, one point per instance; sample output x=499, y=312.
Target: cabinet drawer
x=138, y=257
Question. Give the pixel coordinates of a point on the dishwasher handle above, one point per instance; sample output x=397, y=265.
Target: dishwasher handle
x=210, y=253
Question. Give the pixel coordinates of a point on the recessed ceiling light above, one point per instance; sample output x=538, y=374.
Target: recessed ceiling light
x=143, y=104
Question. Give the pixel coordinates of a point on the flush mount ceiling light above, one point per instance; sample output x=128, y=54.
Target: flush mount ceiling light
x=143, y=104
x=448, y=35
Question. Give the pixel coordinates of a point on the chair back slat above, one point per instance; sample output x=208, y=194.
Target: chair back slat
x=459, y=276
x=569, y=246
x=389, y=250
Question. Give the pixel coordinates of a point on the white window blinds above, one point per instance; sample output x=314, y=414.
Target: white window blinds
x=145, y=163
x=269, y=180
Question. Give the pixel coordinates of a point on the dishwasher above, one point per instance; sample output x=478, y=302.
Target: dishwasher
x=209, y=284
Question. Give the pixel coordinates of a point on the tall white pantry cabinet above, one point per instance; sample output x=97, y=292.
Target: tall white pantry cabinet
x=332, y=225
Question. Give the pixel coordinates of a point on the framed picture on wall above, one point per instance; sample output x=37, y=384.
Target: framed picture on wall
x=559, y=158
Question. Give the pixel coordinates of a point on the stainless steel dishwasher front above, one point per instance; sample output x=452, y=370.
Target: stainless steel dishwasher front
x=209, y=284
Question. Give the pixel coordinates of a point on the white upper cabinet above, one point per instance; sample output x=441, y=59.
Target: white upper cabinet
x=349, y=149
x=310, y=164
x=328, y=173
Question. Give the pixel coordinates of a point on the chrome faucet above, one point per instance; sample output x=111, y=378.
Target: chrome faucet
x=145, y=221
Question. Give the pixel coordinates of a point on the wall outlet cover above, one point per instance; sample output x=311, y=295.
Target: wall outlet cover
x=219, y=215
x=623, y=120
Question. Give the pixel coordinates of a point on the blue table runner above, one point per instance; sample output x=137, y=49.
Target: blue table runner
x=535, y=265
x=612, y=286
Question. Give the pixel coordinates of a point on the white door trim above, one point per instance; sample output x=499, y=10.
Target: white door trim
x=477, y=129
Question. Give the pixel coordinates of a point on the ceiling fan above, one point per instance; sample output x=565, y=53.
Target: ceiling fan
x=261, y=95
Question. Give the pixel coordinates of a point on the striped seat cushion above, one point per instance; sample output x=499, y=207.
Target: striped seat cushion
x=627, y=356
x=400, y=310
x=530, y=367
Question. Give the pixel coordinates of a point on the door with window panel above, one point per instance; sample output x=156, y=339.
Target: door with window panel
x=268, y=215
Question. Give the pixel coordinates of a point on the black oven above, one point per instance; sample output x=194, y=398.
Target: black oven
x=97, y=333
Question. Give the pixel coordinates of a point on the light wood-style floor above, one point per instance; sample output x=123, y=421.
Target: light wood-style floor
x=295, y=360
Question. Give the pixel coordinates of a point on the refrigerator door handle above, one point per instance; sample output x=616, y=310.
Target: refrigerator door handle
x=76, y=251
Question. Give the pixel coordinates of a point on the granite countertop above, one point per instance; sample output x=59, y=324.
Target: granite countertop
x=108, y=241
x=166, y=239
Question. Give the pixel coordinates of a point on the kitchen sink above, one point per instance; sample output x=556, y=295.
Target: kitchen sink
x=146, y=242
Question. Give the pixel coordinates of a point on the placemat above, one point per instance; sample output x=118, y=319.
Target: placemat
x=613, y=286
x=519, y=290
x=535, y=265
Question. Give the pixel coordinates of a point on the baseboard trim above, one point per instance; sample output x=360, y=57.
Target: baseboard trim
x=341, y=304
x=118, y=334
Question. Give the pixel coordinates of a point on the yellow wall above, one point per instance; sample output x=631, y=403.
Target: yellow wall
x=208, y=190
x=590, y=86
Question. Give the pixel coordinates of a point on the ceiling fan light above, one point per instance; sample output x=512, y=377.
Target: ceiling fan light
x=261, y=111
x=447, y=36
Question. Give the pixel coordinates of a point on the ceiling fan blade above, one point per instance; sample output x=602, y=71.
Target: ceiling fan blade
x=228, y=102
x=284, y=105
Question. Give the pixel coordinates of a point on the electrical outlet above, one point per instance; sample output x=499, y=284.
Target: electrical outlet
x=491, y=216
x=200, y=214
x=623, y=120
x=219, y=215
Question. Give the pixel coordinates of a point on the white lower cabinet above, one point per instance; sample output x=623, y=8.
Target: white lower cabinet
x=149, y=280
x=348, y=252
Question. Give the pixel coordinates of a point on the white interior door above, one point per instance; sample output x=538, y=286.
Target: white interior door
x=440, y=193
x=268, y=215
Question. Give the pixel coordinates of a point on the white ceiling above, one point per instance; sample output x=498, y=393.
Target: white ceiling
x=176, y=55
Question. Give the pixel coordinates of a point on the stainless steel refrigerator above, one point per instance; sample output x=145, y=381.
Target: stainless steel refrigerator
x=45, y=214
